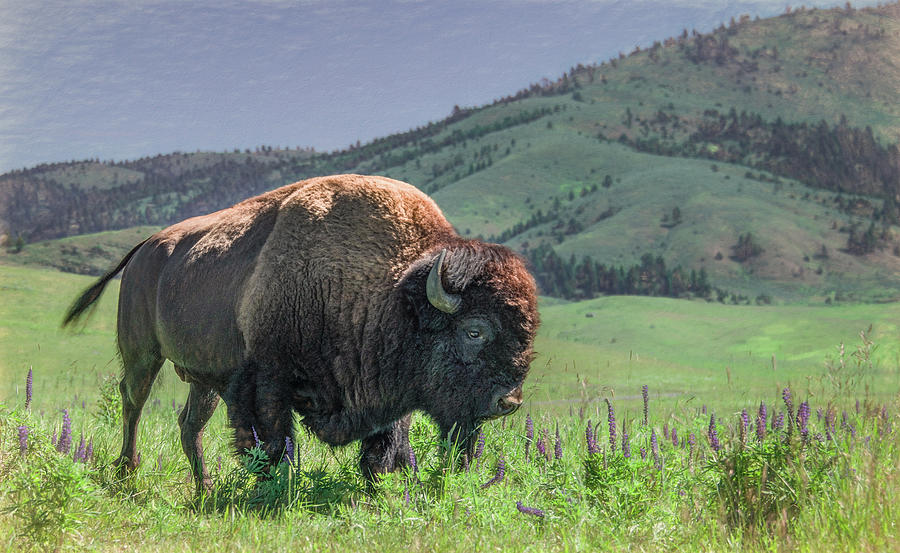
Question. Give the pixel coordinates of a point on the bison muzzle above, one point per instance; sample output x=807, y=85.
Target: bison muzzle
x=348, y=299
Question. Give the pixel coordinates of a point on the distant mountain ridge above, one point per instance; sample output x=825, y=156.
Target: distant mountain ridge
x=757, y=127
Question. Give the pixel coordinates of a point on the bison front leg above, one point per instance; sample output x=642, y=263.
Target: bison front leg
x=385, y=451
x=261, y=414
x=201, y=404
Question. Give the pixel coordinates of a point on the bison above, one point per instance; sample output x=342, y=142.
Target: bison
x=347, y=299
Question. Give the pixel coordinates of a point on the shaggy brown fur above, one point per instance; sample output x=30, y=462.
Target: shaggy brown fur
x=311, y=298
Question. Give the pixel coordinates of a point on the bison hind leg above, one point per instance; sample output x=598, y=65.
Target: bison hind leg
x=138, y=375
x=201, y=403
x=385, y=451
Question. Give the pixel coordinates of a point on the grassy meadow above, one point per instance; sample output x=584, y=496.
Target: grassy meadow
x=832, y=487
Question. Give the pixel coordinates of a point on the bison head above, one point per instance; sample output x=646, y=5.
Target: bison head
x=476, y=313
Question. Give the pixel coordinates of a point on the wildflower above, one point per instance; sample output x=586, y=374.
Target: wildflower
x=789, y=405
x=64, y=445
x=542, y=443
x=406, y=495
x=666, y=431
x=643, y=454
x=256, y=441
x=778, y=422
x=81, y=451
x=611, y=419
x=529, y=434
x=674, y=438
x=53, y=441
x=288, y=451
x=743, y=427
x=557, y=446
x=592, y=446
x=703, y=409
x=761, y=417
x=89, y=452
x=529, y=510
x=645, y=392
x=819, y=414
x=23, y=439
x=857, y=406
x=654, y=448
x=28, y=389
x=498, y=476
x=803, y=420
x=626, y=448
x=412, y=460
x=713, y=434
x=479, y=445
x=692, y=441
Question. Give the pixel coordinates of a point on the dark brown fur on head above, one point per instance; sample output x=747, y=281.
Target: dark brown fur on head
x=493, y=284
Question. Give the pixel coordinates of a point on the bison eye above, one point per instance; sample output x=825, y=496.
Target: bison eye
x=474, y=333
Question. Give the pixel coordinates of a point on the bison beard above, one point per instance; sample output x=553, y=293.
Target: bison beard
x=349, y=300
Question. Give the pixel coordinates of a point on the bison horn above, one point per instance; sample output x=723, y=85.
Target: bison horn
x=434, y=288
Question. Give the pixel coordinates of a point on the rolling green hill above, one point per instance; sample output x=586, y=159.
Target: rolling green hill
x=784, y=129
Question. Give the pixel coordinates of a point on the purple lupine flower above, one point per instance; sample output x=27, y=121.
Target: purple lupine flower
x=761, y=417
x=713, y=434
x=778, y=422
x=645, y=393
x=80, y=455
x=611, y=419
x=498, y=476
x=745, y=421
x=406, y=494
x=789, y=405
x=256, y=441
x=857, y=406
x=89, y=452
x=643, y=454
x=412, y=459
x=29, y=380
x=626, y=447
x=654, y=448
x=845, y=421
x=674, y=438
x=819, y=414
x=529, y=510
x=666, y=430
x=479, y=445
x=23, y=439
x=557, y=446
x=529, y=434
x=590, y=439
x=692, y=441
x=542, y=444
x=703, y=409
x=288, y=456
x=53, y=441
x=803, y=420
x=64, y=445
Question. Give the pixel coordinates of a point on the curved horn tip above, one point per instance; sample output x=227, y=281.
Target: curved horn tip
x=434, y=288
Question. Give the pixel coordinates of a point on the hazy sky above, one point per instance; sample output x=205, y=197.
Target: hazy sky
x=131, y=78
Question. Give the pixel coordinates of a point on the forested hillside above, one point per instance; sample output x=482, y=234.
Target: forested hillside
x=762, y=156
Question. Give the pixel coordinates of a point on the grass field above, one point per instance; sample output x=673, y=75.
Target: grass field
x=835, y=490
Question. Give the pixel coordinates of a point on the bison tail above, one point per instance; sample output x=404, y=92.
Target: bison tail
x=80, y=306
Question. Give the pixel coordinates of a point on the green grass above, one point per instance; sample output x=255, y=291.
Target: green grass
x=828, y=495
